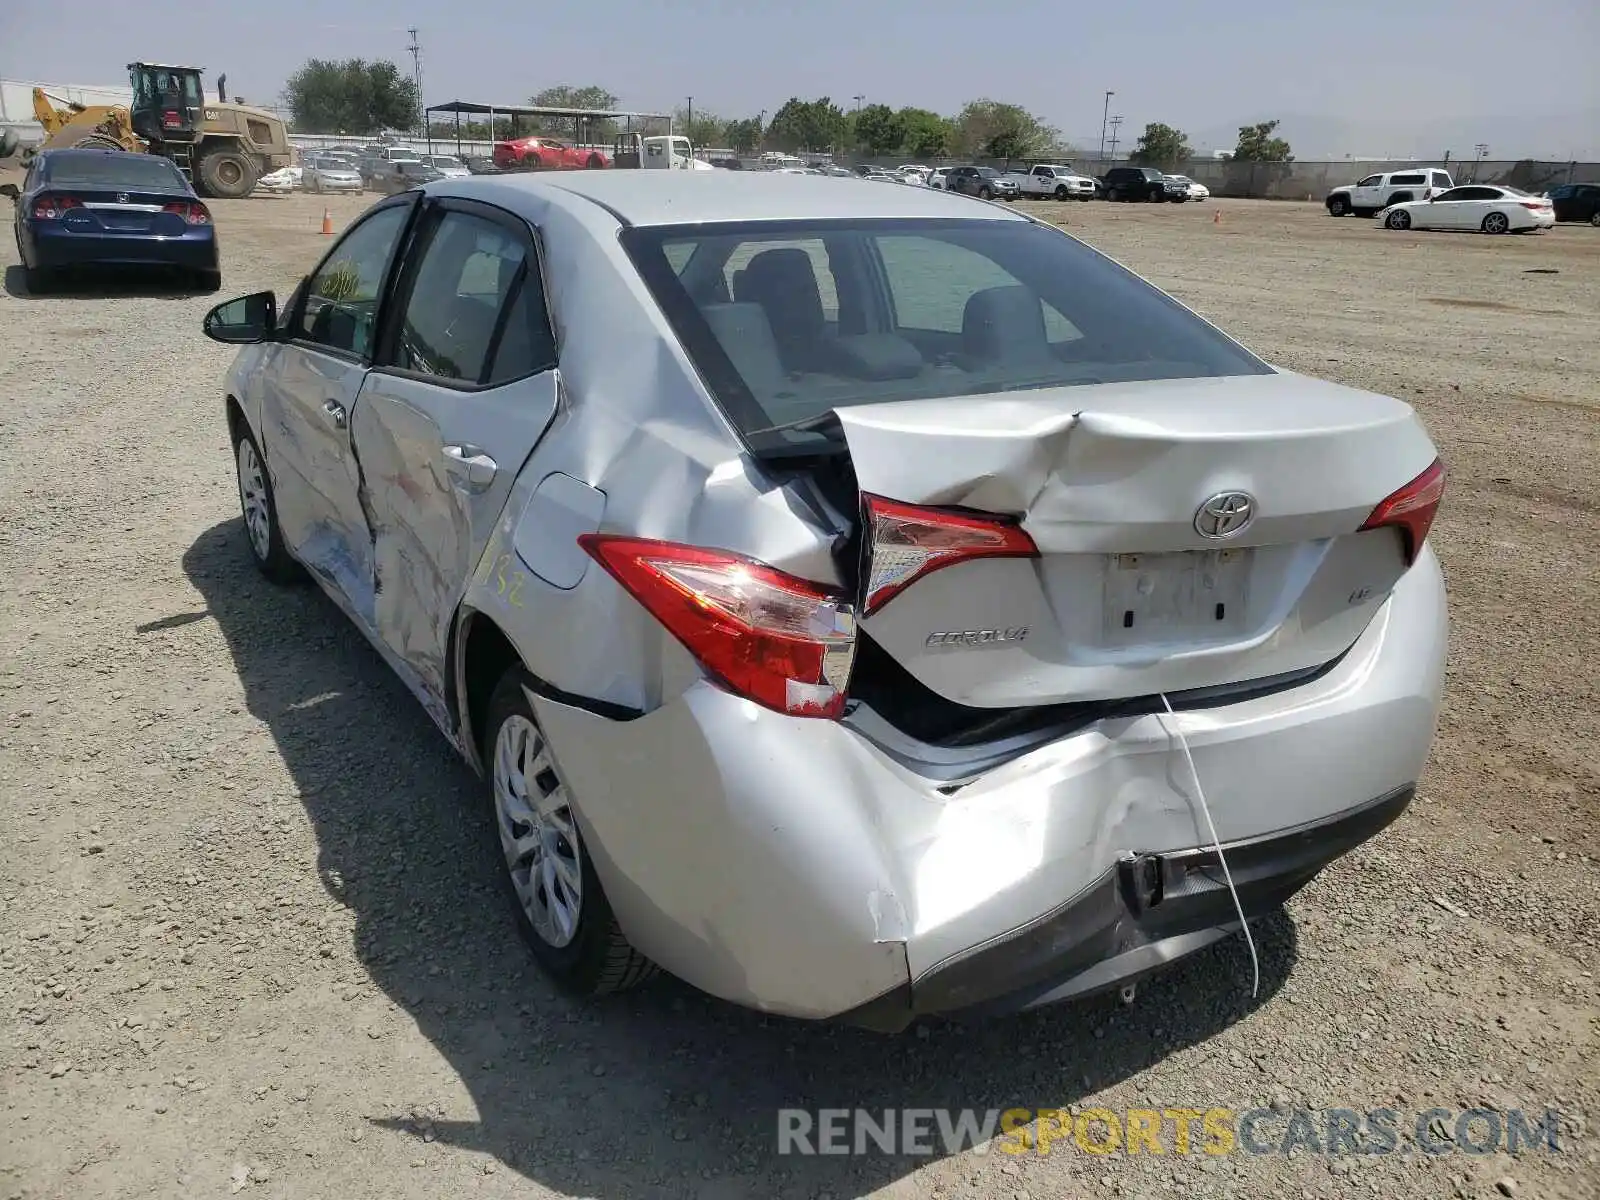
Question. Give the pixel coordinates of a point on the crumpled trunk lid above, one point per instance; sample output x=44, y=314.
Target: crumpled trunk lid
x=1128, y=596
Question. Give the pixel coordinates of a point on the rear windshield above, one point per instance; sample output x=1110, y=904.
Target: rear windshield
x=136, y=172
x=787, y=320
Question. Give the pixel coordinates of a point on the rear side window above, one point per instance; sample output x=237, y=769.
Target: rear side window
x=1409, y=179
x=474, y=313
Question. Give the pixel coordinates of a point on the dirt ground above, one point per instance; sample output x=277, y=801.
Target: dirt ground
x=249, y=938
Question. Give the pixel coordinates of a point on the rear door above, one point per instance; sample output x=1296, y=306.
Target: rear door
x=464, y=388
x=307, y=400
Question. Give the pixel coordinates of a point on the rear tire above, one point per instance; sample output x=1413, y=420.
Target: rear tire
x=572, y=932
x=594, y=163
x=1496, y=223
x=227, y=174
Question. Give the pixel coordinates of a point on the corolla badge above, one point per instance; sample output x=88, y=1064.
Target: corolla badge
x=974, y=639
x=1225, y=514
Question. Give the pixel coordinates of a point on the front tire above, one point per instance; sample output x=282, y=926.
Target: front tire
x=1338, y=206
x=1399, y=219
x=561, y=910
x=259, y=505
x=594, y=163
x=985, y=193
x=1061, y=192
x=1594, y=218
x=1496, y=223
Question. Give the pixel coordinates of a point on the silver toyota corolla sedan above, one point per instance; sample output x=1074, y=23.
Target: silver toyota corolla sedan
x=862, y=602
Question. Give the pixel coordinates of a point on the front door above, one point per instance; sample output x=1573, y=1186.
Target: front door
x=1367, y=193
x=463, y=389
x=307, y=402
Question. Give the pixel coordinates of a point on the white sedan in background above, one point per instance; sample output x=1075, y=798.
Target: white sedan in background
x=1478, y=207
x=1197, y=191
x=280, y=182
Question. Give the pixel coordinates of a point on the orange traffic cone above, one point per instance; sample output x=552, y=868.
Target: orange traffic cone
x=327, y=222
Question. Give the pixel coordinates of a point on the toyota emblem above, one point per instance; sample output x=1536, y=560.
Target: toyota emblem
x=1225, y=514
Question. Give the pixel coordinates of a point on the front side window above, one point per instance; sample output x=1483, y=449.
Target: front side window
x=787, y=320
x=472, y=307
x=341, y=307
x=1371, y=181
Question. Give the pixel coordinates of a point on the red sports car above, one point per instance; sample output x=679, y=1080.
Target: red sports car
x=546, y=154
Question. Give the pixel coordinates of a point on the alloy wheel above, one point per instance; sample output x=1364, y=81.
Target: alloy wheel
x=538, y=835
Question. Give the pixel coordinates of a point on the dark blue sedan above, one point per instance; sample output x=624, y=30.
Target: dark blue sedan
x=110, y=208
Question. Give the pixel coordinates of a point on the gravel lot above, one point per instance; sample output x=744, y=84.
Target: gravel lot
x=250, y=941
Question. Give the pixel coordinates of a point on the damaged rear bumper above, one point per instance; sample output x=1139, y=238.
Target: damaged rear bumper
x=793, y=866
x=1147, y=912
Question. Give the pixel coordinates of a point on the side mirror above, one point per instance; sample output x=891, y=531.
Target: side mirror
x=10, y=189
x=243, y=322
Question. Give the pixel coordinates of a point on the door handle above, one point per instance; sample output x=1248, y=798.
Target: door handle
x=470, y=466
x=335, y=413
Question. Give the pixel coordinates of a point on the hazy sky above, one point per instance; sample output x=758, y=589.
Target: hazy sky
x=1354, y=77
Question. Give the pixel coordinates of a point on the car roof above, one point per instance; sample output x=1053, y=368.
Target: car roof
x=665, y=197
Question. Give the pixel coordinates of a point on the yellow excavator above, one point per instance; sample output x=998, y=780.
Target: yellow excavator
x=222, y=147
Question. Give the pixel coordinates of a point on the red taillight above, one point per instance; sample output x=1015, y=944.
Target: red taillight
x=192, y=211
x=50, y=208
x=781, y=641
x=171, y=119
x=1411, y=510
x=908, y=542
x=1537, y=205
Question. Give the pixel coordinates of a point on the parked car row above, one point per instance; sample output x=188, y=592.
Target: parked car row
x=343, y=171
x=1428, y=198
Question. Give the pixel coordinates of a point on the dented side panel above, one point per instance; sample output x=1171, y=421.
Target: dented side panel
x=431, y=519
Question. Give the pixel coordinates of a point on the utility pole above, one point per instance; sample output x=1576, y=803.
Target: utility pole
x=1482, y=151
x=858, y=100
x=689, y=122
x=1115, y=122
x=1104, y=113
x=416, y=78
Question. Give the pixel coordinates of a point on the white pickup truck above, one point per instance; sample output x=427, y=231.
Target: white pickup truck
x=1053, y=180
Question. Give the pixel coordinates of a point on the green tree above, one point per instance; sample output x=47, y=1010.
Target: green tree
x=354, y=96
x=925, y=134
x=878, y=129
x=705, y=129
x=565, y=95
x=1256, y=144
x=814, y=125
x=1161, y=146
x=994, y=130
x=744, y=136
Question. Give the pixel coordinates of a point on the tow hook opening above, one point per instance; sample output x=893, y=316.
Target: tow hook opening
x=1142, y=880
